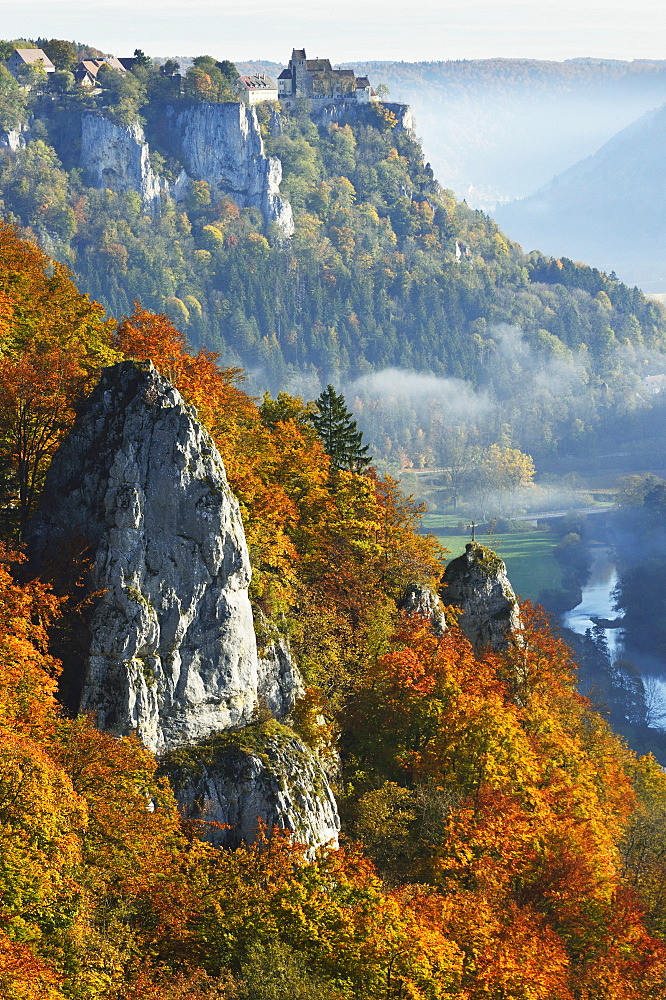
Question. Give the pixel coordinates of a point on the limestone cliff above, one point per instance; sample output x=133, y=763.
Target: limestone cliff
x=279, y=680
x=117, y=157
x=351, y=111
x=222, y=145
x=12, y=139
x=138, y=488
x=217, y=143
x=260, y=774
x=140, y=485
x=477, y=583
x=421, y=600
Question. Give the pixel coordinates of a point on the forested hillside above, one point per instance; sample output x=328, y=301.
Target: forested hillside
x=500, y=841
x=386, y=270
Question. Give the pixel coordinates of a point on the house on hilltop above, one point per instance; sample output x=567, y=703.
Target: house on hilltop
x=21, y=59
x=317, y=80
x=257, y=88
x=85, y=72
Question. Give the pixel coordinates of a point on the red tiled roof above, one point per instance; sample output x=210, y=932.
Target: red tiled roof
x=258, y=82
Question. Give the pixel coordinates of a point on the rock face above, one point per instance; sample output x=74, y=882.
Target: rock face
x=477, y=583
x=259, y=774
x=117, y=157
x=420, y=600
x=218, y=143
x=140, y=484
x=12, y=139
x=351, y=111
x=279, y=682
x=222, y=145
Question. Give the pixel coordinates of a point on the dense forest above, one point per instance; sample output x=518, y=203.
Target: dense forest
x=499, y=839
x=386, y=270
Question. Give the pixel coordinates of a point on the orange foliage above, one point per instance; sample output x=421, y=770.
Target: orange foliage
x=23, y=976
x=53, y=341
x=539, y=794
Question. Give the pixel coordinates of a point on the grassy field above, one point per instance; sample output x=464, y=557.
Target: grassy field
x=528, y=555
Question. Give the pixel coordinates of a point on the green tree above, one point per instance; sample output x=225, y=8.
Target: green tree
x=13, y=101
x=141, y=59
x=338, y=431
x=62, y=54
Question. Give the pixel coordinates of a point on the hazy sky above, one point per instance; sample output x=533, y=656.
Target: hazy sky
x=350, y=29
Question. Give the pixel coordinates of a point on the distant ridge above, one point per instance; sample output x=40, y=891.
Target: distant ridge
x=609, y=209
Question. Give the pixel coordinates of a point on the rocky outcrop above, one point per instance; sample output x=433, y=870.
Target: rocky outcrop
x=263, y=775
x=477, y=583
x=218, y=143
x=117, y=157
x=12, y=139
x=352, y=111
x=279, y=682
x=222, y=145
x=139, y=488
x=421, y=600
x=140, y=485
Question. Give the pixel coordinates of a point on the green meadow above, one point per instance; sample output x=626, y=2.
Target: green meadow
x=528, y=555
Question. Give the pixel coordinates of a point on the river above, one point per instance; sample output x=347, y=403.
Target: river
x=597, y=601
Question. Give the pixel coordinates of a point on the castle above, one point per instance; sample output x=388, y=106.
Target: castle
x=317, y=80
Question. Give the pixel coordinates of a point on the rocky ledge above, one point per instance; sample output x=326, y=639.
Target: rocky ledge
x=261, y=776
x=477, y=583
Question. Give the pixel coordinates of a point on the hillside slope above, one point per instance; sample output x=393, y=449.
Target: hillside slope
x=610, y=207
x=385, y=270
x=501, y=841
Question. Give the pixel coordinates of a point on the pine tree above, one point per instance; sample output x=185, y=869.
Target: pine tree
x=340, y=436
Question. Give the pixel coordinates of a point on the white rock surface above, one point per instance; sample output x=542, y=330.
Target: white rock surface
x=421, y=600
x=12, y=139
x=272, y=779
x=219, y=143
x=477, y=583
x=222, y=145
x=279, y=683
x=117, y=157
x=140, y=483
x=279, y=680
x=139, y=486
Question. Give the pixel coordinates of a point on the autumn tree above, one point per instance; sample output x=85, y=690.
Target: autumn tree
x=53, y=342
x=62, y=54
x=459, y=457
x=503, y=475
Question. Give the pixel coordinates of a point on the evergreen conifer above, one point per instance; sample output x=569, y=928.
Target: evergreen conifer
x=340, y=436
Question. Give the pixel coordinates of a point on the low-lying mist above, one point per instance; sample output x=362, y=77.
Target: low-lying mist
x=533, y=394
